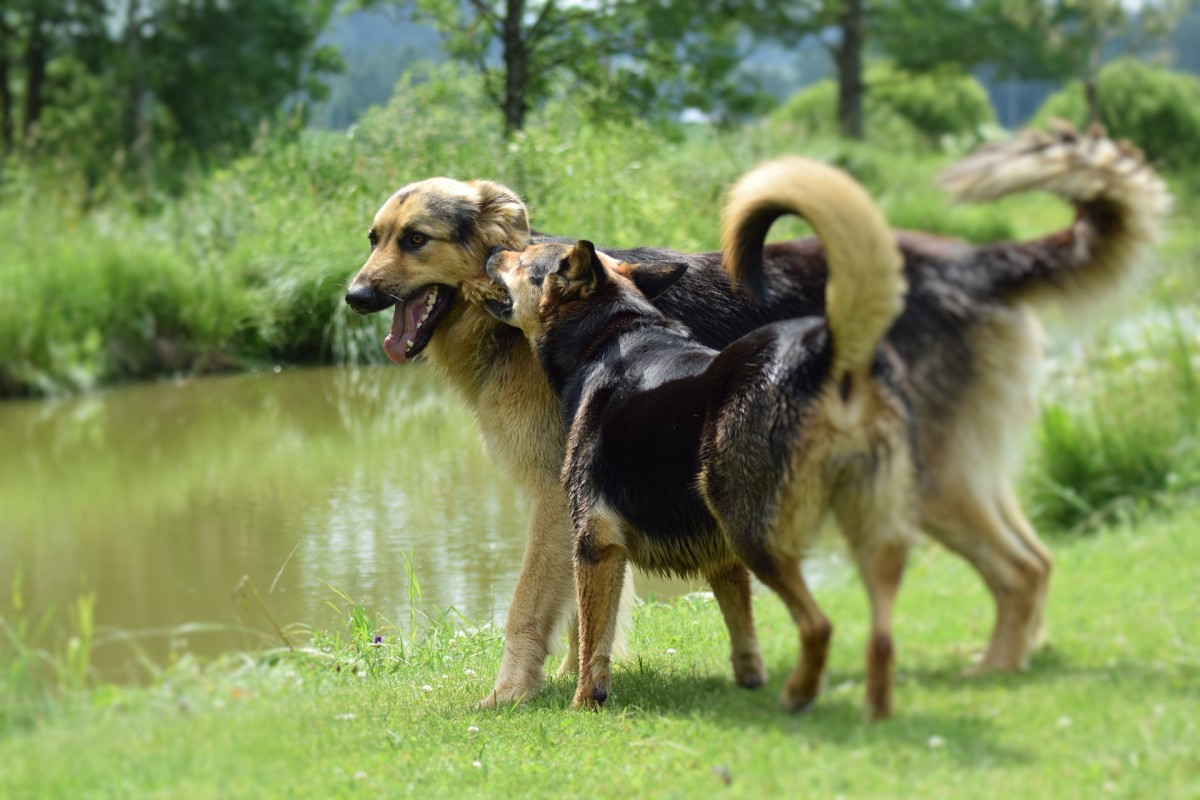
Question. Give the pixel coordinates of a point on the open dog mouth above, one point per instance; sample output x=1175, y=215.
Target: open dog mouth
x=415, y=320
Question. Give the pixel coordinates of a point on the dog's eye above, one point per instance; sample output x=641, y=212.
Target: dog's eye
x=417, y=239
x=373, y=238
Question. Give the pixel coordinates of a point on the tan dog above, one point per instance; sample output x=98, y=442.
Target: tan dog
x=971, y=357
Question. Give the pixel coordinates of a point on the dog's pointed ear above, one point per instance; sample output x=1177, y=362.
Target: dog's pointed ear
x=654, y=279
x=503, y=218
x=581, y=270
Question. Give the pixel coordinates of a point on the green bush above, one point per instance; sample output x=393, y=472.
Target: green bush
x=900, y=108
x=1157, y=108
x=1131, y=445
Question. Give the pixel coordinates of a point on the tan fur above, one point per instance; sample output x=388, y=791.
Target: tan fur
x=492, y=369
x=865, y=280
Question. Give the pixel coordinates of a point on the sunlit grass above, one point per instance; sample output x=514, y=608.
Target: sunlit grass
x=1110, y=707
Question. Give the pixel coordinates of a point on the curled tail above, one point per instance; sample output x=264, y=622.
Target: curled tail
x=865, y=291
x=1120, y=203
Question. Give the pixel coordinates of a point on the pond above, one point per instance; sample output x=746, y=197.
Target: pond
x=317, y=485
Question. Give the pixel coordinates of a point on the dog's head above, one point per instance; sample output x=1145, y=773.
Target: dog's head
x=547, y=284
x=429, y=243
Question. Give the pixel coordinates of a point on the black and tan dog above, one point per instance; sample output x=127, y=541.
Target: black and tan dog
x=689, y=460
x=966, y=337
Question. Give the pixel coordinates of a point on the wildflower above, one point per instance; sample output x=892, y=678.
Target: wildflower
x=473, y=729
x=670, y=651
x=427, y=688
x=468, y=671
x=936, y=742
x=378, y=639
x=477, y=764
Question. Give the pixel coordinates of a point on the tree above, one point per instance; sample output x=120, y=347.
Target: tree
x=618, y=56
x=139, y=82
x=1041, y=39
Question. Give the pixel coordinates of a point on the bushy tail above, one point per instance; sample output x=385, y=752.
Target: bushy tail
x=1121, y=204
x=866, y=286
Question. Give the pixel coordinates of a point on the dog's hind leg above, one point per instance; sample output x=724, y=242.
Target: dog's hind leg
x=599, y=579
x=570, y=661
x=973, y=527
x=543, y=591
x=1014, y=517
x=782, y=575
x=881, y=565
x=731, y=588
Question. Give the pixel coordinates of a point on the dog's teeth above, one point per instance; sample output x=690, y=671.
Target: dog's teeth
x=424, y=317
x=410, y=343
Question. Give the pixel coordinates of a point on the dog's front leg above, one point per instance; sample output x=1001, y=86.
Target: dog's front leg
x=543, y=590
x=599, y=578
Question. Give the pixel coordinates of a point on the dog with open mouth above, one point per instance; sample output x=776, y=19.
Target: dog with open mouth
x=966, y=335
x=688, y=460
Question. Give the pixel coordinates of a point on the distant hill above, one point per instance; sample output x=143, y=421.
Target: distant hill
x=377, y=47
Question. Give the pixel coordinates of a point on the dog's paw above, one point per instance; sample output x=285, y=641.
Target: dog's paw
x=748, y=671
x=590, y=699
x=796, y=704
x=509, y=692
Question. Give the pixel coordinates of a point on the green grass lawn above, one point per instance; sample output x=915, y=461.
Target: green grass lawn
x=1110, y=708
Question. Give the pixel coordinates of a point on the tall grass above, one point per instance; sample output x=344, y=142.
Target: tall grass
x=1126, y=438
x=34, y=670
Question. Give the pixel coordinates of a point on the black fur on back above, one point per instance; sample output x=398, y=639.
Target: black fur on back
x=644, y=400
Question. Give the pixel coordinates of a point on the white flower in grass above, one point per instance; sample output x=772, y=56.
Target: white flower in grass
x=468, y=671
x=936, y=742
x=670, y=651
x=477, y=764
x=473, y=729
x=427, y=688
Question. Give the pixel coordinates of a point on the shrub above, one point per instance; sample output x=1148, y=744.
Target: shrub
x=1157, y=108
x=1131, y=445
x=901, y=108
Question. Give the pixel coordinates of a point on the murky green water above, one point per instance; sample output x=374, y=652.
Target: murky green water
x=159, y=498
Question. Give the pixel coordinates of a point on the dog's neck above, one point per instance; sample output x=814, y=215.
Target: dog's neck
x=468, y=345
x=573, y=349
x=617, y=324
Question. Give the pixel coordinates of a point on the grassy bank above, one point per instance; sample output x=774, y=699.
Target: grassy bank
x=1110, y=708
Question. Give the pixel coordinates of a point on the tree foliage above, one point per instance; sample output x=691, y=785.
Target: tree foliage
x=900, y=108
x=126, y=87
x=1040, y=39
x=614, y=57
x=1154, y=107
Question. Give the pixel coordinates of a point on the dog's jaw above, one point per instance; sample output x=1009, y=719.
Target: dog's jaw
x=415, y=320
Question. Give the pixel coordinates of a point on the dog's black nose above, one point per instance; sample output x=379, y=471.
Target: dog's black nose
x=364, y=299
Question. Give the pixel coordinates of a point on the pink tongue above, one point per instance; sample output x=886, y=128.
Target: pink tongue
x=405, y=321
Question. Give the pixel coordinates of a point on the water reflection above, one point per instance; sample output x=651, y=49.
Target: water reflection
x=159, y=498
